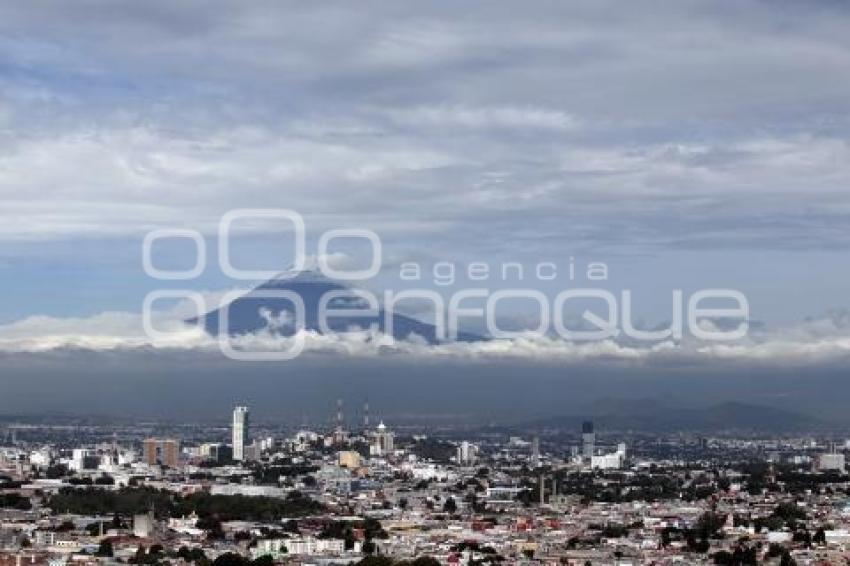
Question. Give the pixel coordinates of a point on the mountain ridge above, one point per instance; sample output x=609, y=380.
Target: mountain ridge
x=655, y=415
x=253, y=312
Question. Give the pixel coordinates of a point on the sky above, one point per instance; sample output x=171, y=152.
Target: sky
x=687, y=145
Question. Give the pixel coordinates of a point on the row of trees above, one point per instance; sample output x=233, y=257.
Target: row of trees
x=14, y=501
x=135, y=500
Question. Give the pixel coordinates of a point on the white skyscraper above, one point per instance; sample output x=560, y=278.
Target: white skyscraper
x=467, y=453
x=240, y=432
x=382, y=441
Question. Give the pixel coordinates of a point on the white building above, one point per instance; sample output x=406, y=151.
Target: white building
x=240, y=432
x=467, y=453
x=428, y=471
x=382, y=442
x=143, y=525
x=83, y=459
x=837, y=536
x=831, y=462
x=44, y=538
x=42, y=457
x=248, y=490
x=279, y=547
x=210, y=450
x=185, y=525
x=612, y=461
x=502, y=494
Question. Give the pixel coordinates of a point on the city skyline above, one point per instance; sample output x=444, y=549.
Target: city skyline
x=106, y=493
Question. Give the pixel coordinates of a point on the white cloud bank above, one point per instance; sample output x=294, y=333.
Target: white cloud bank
x=821, y=340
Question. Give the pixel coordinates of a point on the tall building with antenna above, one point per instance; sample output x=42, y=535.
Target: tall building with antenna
x=339, y=434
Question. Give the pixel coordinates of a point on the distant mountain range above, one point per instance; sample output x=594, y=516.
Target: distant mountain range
x=255, y=312
x=652, y=415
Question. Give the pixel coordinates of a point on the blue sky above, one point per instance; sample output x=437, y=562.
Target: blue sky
x=686, y=144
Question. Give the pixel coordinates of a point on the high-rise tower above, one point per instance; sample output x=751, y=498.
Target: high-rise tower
x=588, y=440
x=240, y=432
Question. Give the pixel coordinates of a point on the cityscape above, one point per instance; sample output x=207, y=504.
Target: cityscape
x=381, y=283
x=356, y=490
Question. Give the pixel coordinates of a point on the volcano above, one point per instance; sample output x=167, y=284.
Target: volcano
x=255, y=312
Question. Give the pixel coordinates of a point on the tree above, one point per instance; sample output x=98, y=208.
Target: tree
x=744, y=555
x=105, y=548
x=15, y=501
x=372, y=529
x=525, y=496
x=230, y=559
x=212, y=526
x=132, y=500
x=56, y=472
x=65, y=526
x=702, y=545
x=191, y=555
x=708, y=525
x=819, y=536
x=450, y=506
x=614, y=530
x=291, y=526
x=804, y=537
x=789, y=510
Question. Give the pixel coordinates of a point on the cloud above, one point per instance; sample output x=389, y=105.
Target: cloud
x=488, y=135
x=124, y=182
x=815, y=341
x=561, y=117
x=509, y=117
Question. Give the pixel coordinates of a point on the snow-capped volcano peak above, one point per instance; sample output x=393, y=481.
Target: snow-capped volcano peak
x=303, y=276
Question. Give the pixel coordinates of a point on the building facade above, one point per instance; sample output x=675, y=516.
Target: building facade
x=161, y=452
x=240, y=432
